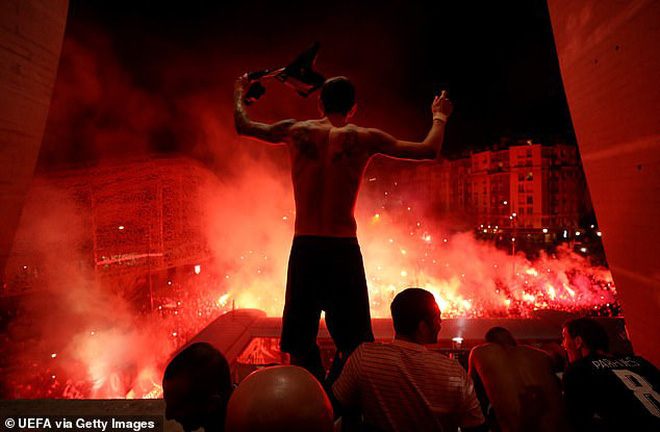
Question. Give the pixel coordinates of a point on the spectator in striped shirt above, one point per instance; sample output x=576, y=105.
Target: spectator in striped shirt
x=402, y=386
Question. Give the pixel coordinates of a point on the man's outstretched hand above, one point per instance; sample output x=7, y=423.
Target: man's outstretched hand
x=441, y=107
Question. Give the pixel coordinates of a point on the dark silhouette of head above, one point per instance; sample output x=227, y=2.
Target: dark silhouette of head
x=338, y=96
x=196, y=388
x=500, y=336
x=584, y=336
x=416, y=316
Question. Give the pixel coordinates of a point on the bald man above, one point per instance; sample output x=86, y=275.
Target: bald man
x=519, y=384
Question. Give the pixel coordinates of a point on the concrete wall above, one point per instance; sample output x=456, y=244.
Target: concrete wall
x=610, y=63
x=31, y=34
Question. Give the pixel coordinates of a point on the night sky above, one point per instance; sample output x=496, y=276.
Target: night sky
x=142, y=76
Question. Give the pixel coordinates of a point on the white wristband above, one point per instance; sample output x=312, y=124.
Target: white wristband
x=440, y=116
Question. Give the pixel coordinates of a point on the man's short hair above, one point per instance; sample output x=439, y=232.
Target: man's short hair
x=205, y=369
x=338, y=96
x=500, y=335
x=592, y=333
x=410, y=307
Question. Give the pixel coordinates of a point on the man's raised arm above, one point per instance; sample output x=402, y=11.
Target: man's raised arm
x=381, y=142
x=277, y=133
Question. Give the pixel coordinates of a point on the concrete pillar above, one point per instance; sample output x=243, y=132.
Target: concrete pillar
x=610, y=64
x=31, y=34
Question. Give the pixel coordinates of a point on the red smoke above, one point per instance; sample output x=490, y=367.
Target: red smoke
x=104, y=347
x=81, y=337
x=97, y=111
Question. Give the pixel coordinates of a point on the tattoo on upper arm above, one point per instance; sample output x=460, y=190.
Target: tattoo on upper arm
x=279, y=131
x=240, y=115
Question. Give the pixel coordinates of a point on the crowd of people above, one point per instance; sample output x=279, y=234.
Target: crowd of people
x=404, y=386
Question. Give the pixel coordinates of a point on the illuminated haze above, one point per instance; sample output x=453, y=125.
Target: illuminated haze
x=107, y=109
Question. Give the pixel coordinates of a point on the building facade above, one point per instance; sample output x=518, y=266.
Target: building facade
x=525, y=187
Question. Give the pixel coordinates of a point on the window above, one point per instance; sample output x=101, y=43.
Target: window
x=530, y=176
x=530, y=200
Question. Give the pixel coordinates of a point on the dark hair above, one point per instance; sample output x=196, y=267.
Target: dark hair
x=205, y=368
x=500, y=335
x=410, y=307
x=338, y=96
x=592, y=333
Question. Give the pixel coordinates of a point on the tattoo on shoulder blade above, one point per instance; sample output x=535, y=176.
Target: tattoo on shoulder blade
x=303, y=143
x=348, y=146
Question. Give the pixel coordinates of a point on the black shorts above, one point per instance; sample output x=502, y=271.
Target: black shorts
x=325, y=273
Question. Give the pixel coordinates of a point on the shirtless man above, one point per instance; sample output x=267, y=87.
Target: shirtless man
x=328, y=159
x=519, y=383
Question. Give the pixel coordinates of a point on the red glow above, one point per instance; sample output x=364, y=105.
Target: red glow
x=108, y=350
x=97, y=251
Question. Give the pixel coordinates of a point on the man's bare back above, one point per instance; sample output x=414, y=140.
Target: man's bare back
x=521, y=387
x=327, y=167
x=326, y=272
x=328, y=158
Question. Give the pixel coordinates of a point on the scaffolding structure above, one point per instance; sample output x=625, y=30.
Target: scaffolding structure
x=132, y=222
